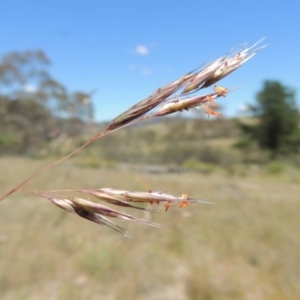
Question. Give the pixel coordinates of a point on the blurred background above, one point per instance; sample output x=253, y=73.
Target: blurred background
x=67, y=68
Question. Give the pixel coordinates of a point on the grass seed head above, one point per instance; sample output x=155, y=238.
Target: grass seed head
x=149, y=103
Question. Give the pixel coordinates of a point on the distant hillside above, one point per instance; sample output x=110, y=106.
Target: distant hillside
x=167, y=141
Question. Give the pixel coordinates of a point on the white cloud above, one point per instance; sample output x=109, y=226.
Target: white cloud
x=243, y=108
x=141, y=50
x=28, y=88
x=146, y=71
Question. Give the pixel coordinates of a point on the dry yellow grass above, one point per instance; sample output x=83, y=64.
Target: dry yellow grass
x=245, y=247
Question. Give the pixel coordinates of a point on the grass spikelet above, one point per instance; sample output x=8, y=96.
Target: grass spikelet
x=115, y=200
x=94, y=212
x=231, y=62
x=186, y=104
x=106, y=211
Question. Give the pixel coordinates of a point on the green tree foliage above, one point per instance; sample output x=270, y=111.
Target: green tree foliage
x=27, y=125
x=34, y=107
x=277, y=129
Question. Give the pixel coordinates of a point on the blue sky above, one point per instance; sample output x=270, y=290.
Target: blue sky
x=126, y=49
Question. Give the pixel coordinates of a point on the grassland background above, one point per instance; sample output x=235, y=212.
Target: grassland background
x=245, y=247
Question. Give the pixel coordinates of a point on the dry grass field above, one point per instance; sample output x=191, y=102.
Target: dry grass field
x=247, y=246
